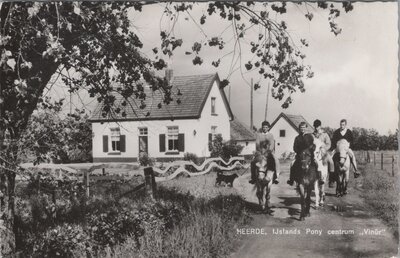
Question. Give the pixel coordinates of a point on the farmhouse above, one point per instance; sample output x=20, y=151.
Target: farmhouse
x=169, y=131
x=285, y=128
x=243, y=136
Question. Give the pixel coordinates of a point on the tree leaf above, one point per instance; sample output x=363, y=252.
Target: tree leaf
x=11, y=63
x=77, y=9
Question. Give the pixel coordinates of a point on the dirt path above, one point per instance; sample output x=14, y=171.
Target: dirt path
x=281, y=234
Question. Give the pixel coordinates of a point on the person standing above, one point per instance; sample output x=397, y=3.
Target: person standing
x=265, y=145
x=301, y=142
x=321, y=135
x=344, y=133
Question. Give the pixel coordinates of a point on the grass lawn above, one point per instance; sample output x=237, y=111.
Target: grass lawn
x=381, y=192
x=200, y=186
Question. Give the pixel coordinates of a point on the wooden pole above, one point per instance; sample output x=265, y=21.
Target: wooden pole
x=104, y=171
x=86, y=182
x=229, y=96
x=251, y=105
x=150, y=182
x=382, y=160
x=392, y=165
x=266, y=105
x=368, y=157
x=374, y=159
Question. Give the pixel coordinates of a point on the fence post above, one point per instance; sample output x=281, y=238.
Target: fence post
x=368, y=157
x=86, y=182
x=374, y=159
x=150, y=182
x=104, y=171
x=382, y=160
x=38, y=189
x=392, y=165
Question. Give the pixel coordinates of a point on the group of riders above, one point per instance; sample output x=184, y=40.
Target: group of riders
x=265, y=147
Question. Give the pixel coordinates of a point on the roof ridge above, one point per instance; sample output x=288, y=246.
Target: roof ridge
x=189, y=75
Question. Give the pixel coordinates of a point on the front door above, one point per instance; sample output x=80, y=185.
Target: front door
x=143, y=140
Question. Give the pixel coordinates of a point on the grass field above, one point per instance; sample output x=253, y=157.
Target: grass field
x=200, y=186
x=381, y=191
x=375, y=159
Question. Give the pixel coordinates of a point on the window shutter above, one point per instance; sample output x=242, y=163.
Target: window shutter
x=105, y=143
x=181, y=142
x=162, y=142
x=209, y=141
x=122, y=143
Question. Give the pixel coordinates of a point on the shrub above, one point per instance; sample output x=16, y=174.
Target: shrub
x=191, y=157
x=65, y=240
x=111, y=226
x=225, y=150
x=216, y=146
x=288, y=155
x=145, y=160
x=206, y=230
x=231, y=149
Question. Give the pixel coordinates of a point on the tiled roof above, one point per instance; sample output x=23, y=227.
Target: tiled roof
x=294, y=121
x=241, y=132
x=194, y=89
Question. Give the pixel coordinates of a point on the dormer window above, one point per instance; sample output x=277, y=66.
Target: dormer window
x=213, y=108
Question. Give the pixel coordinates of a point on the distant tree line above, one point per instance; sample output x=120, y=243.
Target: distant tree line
x=370, y=139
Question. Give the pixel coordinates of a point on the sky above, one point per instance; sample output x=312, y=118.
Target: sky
x=355, y=73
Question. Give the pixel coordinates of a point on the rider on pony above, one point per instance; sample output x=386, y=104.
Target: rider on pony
x=344, y=133
x=326, y=141
x=265, y=146
x=301, y=142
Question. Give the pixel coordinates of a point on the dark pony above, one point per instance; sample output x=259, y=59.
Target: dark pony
x=307, y=175
x=265, y=172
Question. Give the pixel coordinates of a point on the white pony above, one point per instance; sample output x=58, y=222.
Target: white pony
x=320, y=157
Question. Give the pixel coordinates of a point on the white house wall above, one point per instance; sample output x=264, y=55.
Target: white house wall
x=221, y=119
x=196, y=133
x=249, y=147
x=283, y=144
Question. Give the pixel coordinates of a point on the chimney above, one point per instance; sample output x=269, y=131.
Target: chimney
x=169, y=74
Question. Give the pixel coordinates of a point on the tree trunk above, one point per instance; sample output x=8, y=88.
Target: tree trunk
x=7, y=206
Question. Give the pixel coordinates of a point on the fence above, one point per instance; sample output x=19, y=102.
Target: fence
x=385, y=160
x=151, y=175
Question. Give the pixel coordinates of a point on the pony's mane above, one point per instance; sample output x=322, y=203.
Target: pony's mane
x=342, y=144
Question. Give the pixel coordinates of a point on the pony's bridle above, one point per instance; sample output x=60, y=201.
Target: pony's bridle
x=344, y=157
x=262, y=168
x=304, y=164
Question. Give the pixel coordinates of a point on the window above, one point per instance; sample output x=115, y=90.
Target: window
x=282, y=133
x=143, y=131
x=213, y=131
x=115, y=139
x=213, y=110
x=172, y=138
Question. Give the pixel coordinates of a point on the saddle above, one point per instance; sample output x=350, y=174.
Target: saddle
x=268, y=158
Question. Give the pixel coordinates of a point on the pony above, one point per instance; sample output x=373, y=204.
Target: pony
x=341, y=160
x=264, y=181
x=320, y=155
x=307, y=175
